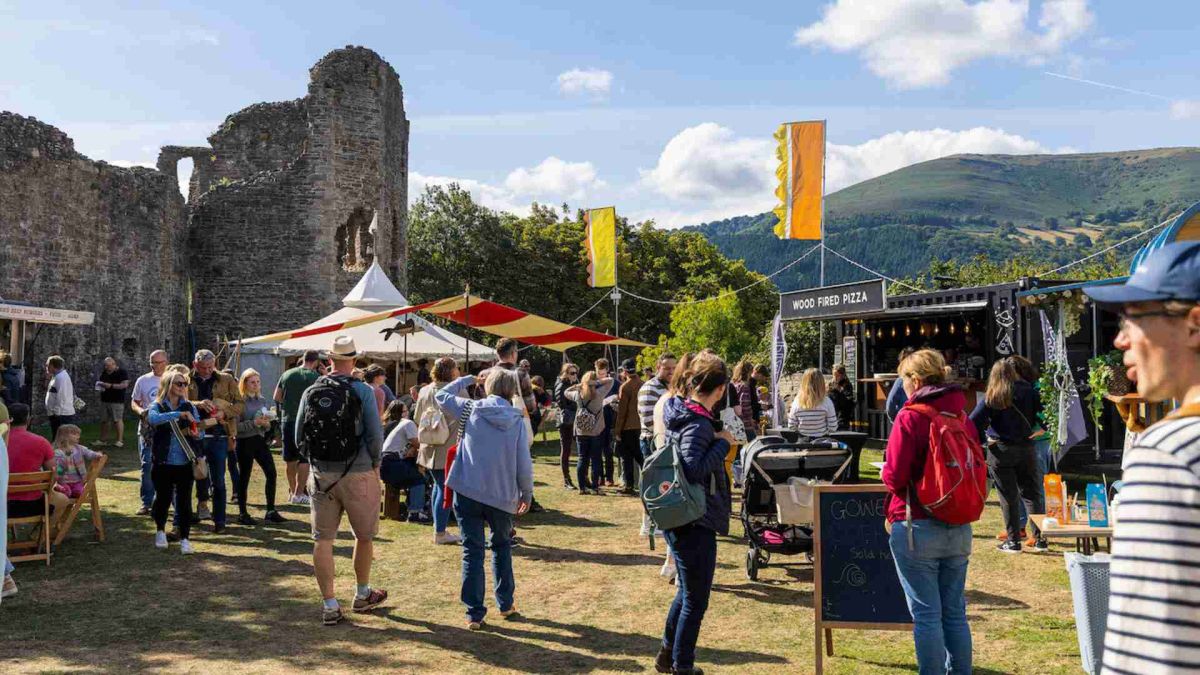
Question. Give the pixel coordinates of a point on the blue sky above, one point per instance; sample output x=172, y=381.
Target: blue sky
x=665, y=111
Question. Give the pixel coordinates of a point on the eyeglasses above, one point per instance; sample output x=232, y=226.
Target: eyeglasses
x=1128, y=317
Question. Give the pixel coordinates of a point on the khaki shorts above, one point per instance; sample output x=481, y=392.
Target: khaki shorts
x=112, y=412
x=357, y=495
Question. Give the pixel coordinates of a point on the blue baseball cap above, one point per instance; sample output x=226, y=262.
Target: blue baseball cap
x=1170, y=273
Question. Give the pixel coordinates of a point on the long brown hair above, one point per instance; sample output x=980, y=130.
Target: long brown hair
x=742, y=371
x=705, y=373
x=812, y=390
x=586, y=387
x=678, y=385
x=999, y=394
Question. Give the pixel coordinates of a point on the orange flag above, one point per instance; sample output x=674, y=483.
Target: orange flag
x=801, y=172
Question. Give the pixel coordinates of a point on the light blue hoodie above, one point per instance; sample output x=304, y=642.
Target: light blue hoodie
x=493, y=465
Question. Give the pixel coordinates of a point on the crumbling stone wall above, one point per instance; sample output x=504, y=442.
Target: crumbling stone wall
x=86, y=235
x=281, y=210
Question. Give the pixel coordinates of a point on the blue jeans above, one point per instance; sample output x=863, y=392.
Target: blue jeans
x=647, y=446
x=416, y=498
x=441, y=514
x=216, y=449
x=695, y=551
x=145, y=453
x=472, y=516
x=591, y=449
x=934, y=577
x=8, y=568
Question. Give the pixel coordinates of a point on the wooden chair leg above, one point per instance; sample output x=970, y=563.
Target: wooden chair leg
x=97, y=519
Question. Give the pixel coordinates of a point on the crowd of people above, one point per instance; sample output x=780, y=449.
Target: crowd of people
x=460, y=447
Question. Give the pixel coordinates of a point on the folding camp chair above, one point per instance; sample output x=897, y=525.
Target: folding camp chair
x=89, y=496
x=38, y=543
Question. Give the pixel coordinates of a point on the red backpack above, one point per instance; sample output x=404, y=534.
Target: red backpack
x=953, y=486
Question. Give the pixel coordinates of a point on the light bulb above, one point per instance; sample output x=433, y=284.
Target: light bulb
x=907, y=330
x=893, y=331
x=952, y=329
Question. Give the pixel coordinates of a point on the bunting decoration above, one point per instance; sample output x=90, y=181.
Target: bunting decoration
x=602, y=246
x=801, y=173
x=485, y=315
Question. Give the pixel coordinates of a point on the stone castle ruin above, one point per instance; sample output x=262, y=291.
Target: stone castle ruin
x=276, y=228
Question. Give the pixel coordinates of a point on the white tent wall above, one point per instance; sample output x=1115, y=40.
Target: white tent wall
x=270, y=368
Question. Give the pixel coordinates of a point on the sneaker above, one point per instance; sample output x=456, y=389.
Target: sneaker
x=568, y=485
x=515, y=541
x=374, y=599
x=1010, y=546
x=203, y=513
x=245, y=519
x=1039, y=546
x=10, y=587
x=173, y=535
x=475, y=625
x=218, y=528
x=510, y=613
x=1003, y=536
x=185, y=547
x=536, y=508
x=303, y=500
x=100, y=444
x=160, y=540
x=118, y=444
x=419, y=517
x=274, y=517
x=144, y=511
x=331, y=616
x=294, y=499
x=664, y=661
x=446, y=538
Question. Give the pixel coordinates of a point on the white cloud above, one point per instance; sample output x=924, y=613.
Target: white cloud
x=1185, y=109
x=554, y=179
x=707, y=172
x=591, y=82
x=919, y=43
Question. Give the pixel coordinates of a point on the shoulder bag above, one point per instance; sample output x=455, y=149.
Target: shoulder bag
x=199, y=464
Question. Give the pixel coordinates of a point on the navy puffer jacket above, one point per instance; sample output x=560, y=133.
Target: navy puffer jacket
x=703, y=457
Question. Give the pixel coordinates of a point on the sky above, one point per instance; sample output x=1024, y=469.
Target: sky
x=665, y=111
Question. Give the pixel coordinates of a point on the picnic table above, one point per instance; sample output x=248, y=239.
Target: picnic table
x=1087, y=538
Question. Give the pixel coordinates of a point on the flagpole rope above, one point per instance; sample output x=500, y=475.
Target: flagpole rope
x=726, y=293
x=871, y=271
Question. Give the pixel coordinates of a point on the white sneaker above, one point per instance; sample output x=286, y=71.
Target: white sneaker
x=185, y=547
x=668, y=569
x=160, y=539
x=10, y=587
x=446, y=538
x=304, y=500
x=645, y=531
x=295, y=499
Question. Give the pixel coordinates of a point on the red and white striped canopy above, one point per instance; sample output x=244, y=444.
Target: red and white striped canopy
x=485, y=315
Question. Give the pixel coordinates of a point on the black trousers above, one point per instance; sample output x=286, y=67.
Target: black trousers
x=631, y=457
x=173, y=481
x=566, y=441
x=249, y=451
x=1014, y=469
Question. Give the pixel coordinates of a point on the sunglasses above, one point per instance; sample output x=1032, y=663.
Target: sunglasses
x=179, y=383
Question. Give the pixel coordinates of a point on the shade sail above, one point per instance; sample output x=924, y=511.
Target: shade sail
x=485, y=315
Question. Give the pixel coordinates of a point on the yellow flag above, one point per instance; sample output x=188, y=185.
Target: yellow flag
x=602, y=246
x=801, y=172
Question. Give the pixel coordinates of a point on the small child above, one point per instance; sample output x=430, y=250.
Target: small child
x=72, y=459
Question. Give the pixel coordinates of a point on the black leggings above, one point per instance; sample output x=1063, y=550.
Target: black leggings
x=1013, y=468
x=566, y=440
x=631, y=457
x=173, y=482
x=251, y=450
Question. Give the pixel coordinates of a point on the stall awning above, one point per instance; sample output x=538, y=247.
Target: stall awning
x=923, y=310
x=1079, y=285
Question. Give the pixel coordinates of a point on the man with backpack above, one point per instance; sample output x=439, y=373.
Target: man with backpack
x=1155, y=580
x=339, y=432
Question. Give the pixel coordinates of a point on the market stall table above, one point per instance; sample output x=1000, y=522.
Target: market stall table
x=1086, y=537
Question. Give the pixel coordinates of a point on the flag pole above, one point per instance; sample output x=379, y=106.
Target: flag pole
x=466, y=333
x=616, y=292
x=824, y=158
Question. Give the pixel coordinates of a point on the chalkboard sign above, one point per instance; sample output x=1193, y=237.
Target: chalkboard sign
x=855, y=576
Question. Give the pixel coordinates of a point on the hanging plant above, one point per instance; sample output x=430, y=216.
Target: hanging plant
x=1049, y=392
x=1100, y=376
x=1070, y=303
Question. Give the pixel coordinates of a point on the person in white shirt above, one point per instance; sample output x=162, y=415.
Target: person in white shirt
x=60, y=395
x=812, y=413
x=145, y=390
x=401, y=445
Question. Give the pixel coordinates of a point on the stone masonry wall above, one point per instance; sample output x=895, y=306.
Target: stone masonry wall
x=86, y=235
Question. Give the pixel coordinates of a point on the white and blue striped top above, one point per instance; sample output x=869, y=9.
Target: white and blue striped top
x=1154, y=592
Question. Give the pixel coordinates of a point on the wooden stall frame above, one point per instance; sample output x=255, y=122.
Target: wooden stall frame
x=824, y=629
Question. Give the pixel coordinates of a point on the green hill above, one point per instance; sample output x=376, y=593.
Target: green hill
x=1051, y=207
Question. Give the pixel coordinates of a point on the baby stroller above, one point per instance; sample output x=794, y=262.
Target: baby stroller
x=768, y=463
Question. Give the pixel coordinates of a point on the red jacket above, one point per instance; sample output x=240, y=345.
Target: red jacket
x=908, y=445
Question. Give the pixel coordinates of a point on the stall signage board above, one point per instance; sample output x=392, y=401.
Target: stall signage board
x=813, y=304
x=850, y=357
x=856, y=585
x=45, y=314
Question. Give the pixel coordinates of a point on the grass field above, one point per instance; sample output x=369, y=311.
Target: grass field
x=587, y=586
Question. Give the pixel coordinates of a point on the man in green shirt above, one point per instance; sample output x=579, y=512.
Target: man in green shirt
x=289, y=392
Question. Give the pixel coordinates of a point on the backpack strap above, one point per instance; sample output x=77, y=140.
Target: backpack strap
x=344, y=383
x=463, y=417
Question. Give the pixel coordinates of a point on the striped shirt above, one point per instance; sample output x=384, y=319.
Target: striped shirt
x=1154, y=593
x=648, y=396
x=813, y=422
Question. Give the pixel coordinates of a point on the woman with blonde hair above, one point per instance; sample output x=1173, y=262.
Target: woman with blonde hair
x=172, y=470
x=812, y=413
x=1006, y=418
x=589, y=395
x=252, y=446
x=931, y=556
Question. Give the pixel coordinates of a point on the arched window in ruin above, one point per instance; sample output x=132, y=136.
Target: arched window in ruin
x=355, y=244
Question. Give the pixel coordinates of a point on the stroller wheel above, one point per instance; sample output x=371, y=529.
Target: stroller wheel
x=751, y=565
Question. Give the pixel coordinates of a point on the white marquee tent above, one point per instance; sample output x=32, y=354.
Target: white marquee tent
x=373, y=293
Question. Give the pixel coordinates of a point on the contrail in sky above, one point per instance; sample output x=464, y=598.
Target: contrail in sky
x=1106, y=86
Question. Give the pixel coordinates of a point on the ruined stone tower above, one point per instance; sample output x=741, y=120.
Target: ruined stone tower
x=282, y=202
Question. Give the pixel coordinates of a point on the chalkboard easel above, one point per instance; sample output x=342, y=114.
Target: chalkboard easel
x=854, y=577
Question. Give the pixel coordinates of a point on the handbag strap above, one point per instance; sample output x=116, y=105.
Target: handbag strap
x=463, y=417
x=183, y=441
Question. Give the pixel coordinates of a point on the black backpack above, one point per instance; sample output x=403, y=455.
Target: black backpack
x=332, y=418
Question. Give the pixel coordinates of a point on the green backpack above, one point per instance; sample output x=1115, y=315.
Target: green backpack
x=670, y=500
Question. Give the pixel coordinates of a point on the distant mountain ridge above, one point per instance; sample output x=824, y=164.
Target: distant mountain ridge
x=1052, y=207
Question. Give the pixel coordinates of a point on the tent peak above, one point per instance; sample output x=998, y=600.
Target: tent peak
x=374, y=290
